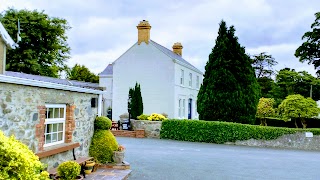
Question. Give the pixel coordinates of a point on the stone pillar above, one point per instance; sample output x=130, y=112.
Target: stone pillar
x=70, y=123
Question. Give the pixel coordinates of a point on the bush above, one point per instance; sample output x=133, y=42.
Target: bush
x=221, y=132
x=156, y=117
x=18, y=161
x=102, y=123
x=143, y=117
x=69, y=170
x=102, y=146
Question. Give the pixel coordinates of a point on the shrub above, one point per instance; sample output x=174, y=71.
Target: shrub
x=221, y=132
x=18, y=161
x=102, y=146
x=69, y=170
x=102, y=123
x=156, y=117
x=143, y=117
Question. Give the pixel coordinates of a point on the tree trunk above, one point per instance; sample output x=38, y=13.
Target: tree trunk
x=304, y=123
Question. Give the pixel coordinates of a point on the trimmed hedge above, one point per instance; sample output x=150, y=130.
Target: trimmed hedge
x=102, y=123
x=221, y=132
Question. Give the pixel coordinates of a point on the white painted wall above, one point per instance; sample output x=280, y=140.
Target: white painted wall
x=106, y=81
x=154, y=71
x=185, y=91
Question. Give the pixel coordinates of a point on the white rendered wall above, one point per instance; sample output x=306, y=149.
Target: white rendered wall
x=153, y=70
x=106, y=81
x=185, y=91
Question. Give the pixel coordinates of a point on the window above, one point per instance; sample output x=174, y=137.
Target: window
x=54, y=124
x=183, y=108
x=190, y=79
x=179, y=107
x=182, y=77
x=198, y=85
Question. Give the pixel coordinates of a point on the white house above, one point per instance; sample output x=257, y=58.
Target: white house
x=169, y=83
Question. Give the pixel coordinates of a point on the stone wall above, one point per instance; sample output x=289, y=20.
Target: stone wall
x=289, y=141
x=20, y=114
x=151, y=128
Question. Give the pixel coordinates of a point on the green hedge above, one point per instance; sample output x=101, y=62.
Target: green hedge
x=221, y=132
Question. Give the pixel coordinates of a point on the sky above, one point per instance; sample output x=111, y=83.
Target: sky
x=102, y=30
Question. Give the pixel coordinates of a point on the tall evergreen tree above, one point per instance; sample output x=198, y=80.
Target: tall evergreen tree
x=230, y=91
x=136, y=101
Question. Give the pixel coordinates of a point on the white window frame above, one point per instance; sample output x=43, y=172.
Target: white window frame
x=179, y=108
x=198, y=85
x=183, y=108
x=55, y=121
x=190, y=79
x=182, y=77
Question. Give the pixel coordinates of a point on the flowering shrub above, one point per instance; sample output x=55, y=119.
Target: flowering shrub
x=121, y=148
x=69, y=170
x=156, y=117
x=143, y=117
x=18, y=161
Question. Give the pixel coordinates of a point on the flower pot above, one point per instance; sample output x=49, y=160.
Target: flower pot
x=89, y=166
x=118, y=156
x=95, y=167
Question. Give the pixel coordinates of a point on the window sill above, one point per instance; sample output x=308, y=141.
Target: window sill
x=56, y=149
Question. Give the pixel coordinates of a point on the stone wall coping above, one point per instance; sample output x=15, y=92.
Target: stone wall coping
x=49, y=151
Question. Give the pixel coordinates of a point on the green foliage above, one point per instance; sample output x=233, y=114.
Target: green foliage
x=69, y=170
x=221, y=132
x=18, y=161
x=136, y=101
x=156, y=117
x=265, y=109
x=310, y=49
x=43, y=49
x=230, y=91
x=262, y=63
x=296, y=106
x=102, y=123
x=82, y=73
x=143, y=117
x=102, y=146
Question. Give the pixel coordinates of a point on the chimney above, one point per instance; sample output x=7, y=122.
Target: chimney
x=143, y=32
x=177, y=48
x=2, y=56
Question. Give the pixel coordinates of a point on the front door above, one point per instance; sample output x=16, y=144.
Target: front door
x=190, y=108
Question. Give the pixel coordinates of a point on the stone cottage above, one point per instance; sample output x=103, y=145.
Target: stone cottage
x=53, y=117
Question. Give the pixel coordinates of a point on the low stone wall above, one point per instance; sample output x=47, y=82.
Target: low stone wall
x=289, y=141
x=151, y=128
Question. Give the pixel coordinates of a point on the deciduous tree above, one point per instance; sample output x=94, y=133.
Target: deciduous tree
x=310, y=49
x=82, y=73
x=43, y=49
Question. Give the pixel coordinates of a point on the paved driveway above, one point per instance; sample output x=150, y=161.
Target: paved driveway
x=167, y=159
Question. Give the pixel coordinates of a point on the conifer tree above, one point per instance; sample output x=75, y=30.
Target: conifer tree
x=230, y=91
x=136, y=101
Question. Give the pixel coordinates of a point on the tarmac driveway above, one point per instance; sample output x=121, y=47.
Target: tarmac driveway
x=153, y=159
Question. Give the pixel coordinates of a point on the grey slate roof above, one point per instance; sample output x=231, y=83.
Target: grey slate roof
x=173, y=55
x=6, y=37
x=54, y=80
x=107, y=71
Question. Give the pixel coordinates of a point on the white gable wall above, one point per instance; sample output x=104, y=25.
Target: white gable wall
x=106, y=81
x=185, y=92
x=153, y=70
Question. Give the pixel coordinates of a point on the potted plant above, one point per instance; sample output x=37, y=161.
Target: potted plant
x=89, y=167
x=69, y=170
x=118, y=156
